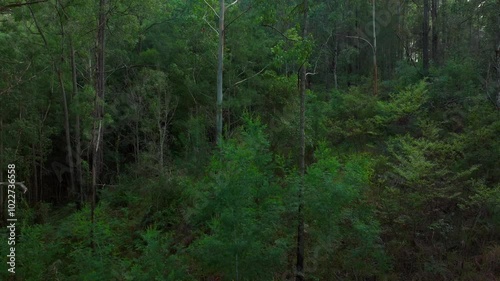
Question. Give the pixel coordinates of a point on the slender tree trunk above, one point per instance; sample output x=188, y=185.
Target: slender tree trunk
x=497, y=52
x=35, y=170
x=78, y=142
x=425, y=38
x=375, y=72
x=444, y=31
x=299, y=274
x=97, y=152
x=335, y=60
x=162, y=133
x=69, y=156
x=137, y=142
x=220, y=66
x=400, y=31
x=435, y=32
x=39, y=192
x=67, y=128
x=498, y=75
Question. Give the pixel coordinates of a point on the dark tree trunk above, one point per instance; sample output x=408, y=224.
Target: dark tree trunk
x=425, y=38
x=69, y=156
x=299, y=276
x=435, y=32
x=375, y=67
x=497, y=54
x=97, y=139
x=78, y=144
x=444, y=31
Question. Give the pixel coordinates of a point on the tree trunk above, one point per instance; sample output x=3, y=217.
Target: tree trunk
x=137, y=142
x=375, y=73
x=69, y=156
x=335, y=60
x=435, y=32
x=425, y=38
x=78, y=144
x=67, y=128
x=35, y=170
x=444, y=31
x=497, y=53
x=299, y=275
x=97, y=139
x=220, y=65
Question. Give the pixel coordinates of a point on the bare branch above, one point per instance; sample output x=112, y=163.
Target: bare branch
x=37, y=26
x=14, y=5
x=319, y=55
x=98, y=136
x=244, y=12
x=281, y=33
x=241, y=81
x=361, y=38
x=215, y=12
x=235, y=1
x=211, y=26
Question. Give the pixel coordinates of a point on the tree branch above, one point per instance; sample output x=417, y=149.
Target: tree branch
x=211, y=26
x=319, y=55
x=281, y=33
x=215, y=12
x=37, y=26
x=238, y=17
x=235, y=1
x=241, y=81
x=361, y=38
x=15, y=5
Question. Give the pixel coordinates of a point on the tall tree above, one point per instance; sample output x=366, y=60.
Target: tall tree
x=435, y=30
x=497, y=51
x=67, y=128
x=375, y=74
x=220, y=66
x=97, y=138
x=425, y=38
x=78, y=143
x=299, y=275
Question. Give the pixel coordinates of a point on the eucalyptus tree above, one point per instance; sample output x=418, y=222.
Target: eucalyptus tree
x=221, y=32
x=425, y=37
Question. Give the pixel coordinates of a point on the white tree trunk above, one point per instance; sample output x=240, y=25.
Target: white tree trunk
x=220, y=70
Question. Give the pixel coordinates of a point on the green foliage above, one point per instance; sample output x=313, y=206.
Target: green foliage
x=403, y=104
x=37, y=257
x=155, y=261
x=242, y=211
x=342, y=229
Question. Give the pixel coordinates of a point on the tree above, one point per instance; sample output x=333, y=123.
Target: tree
x=98, y=130
x=243, y=239
x=375, y=72
x=435, y=31
x=299, y=275
x=220, y=66
x=425, y=38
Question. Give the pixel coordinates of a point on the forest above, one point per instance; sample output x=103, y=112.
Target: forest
x=246, y=140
